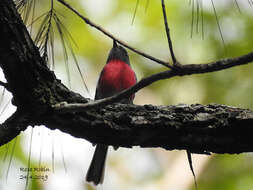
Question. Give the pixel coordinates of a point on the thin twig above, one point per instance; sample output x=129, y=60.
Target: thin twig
x=168, y=33
x=184, y=70
x=5, y=85
x=99, y=28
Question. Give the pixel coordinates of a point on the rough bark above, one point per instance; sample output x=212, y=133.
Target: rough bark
x=198, y=128
x=33, y=86
x=35, y=89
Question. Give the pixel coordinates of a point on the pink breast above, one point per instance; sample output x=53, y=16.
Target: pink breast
x=117, y=76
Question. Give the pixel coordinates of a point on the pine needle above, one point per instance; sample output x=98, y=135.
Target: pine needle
x=189, y=157
x=135, y=11
x=202, y=19
x=26, y=8
x=6, y=152
x=5, y=107
x=11, y=157
x=192, y=22
x=52, y=153
x=250, y=2
x=41, y=145
x=218, y=24
x=29, y=160
x=45, y=36
x=237, y=5
x=62, y=155
x=2, y=96
x=197, y=17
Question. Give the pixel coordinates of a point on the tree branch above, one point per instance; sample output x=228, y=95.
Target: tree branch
x=181, y=70
x=168, y=34
x=99, y=28
x=197, y=128
x=13, y=126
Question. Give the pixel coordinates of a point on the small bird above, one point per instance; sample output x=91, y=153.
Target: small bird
x=117, y=75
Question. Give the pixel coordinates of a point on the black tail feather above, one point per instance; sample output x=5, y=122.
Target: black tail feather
x=95, y=172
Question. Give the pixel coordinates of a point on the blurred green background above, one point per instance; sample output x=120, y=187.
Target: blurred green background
x=68, y=158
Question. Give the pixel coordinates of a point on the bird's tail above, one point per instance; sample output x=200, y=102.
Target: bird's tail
x=95, y=172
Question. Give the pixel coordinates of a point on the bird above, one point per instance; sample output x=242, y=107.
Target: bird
x=116, y=76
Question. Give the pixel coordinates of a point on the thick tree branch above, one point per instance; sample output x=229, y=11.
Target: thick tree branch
x=33, y=86
x=13, y=126
x=197, y=128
